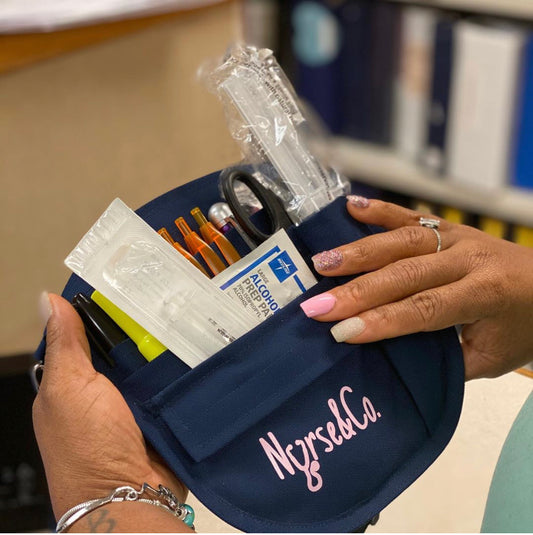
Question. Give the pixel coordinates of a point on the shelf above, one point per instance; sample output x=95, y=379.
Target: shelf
x=522, y=9
x=20, y=50
x=382, y=168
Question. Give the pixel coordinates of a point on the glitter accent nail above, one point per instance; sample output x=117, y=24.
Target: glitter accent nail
x=346, y=329
x=327, y=260
x=357, y=200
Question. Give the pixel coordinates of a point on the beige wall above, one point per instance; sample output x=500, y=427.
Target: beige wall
x=124, y=118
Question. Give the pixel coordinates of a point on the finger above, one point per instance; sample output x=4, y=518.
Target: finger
x=385, y=214
x=67, y=349
x=387, y=285
x=486, y=351
x=482, y=350
x=373, y=252
x=428, y=310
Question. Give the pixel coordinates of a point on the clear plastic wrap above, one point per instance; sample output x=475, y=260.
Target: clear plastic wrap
x=273, y=133
x=123, y=258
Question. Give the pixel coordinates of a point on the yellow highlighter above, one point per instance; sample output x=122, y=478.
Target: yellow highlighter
x=148, y=346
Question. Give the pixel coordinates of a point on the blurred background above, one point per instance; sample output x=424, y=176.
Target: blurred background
x=429, y=104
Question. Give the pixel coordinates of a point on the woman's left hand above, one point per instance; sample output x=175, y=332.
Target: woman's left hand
x=88, y=438
x=405, y=286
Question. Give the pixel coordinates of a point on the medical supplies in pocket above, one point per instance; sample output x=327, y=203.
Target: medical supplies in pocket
x=283, y=429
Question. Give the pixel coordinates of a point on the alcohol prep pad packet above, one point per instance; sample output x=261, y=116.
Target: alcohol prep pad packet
x=268, y=278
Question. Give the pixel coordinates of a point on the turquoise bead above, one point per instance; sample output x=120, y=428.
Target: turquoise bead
x=189, y=517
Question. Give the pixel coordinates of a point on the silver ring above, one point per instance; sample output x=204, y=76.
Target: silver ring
x=428, y=222
x=39, y=367
x=432, y=224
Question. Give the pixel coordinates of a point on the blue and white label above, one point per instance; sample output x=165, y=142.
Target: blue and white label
x=282, y=266
x=268, y=278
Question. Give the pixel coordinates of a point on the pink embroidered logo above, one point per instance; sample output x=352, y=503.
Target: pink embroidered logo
x=334, y=434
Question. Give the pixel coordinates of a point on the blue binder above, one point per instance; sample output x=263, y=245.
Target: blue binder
x=370, y=62
x=440, y=93
x=317, y=44
x=522, y=166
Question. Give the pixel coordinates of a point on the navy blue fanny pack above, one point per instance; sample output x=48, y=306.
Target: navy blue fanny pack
x=286, y=430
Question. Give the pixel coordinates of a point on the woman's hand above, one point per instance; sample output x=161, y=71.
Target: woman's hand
x=88, y=438
x=478, y=281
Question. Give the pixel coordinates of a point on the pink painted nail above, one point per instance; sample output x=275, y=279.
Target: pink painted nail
x=327, y=260
x=357, y=200
x=320, y=304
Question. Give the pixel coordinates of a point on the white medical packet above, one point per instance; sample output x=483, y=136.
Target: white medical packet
x=268, y=278
x=123, y=258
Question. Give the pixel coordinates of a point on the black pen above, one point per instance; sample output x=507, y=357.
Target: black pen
x=103, y=333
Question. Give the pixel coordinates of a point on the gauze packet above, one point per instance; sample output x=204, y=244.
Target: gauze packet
x=123, y=258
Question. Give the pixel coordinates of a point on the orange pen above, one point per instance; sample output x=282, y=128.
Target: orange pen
x=197, y=245
x=163, y=232
x=211, y=235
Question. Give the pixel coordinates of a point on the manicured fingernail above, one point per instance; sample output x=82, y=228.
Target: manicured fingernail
x=320, y=304
x=357, y=200
x=45, y=308
x=327, y=260
x=346, y=329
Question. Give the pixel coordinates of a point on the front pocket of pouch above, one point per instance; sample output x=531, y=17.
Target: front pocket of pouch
x=214, y=402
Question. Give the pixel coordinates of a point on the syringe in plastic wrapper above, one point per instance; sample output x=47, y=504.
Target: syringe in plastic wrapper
x=252, y=81
x=123, y=258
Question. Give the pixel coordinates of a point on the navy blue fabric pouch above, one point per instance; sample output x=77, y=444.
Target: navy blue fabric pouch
x=286, y=430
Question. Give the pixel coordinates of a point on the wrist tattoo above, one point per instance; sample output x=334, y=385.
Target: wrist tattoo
x=101, y=522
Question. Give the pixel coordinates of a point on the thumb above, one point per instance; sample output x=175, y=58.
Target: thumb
x=67, y=349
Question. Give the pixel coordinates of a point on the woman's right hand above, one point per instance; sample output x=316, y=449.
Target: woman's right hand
x=476, y=280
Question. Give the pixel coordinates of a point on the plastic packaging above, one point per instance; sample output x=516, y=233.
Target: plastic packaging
x=123, y=258
x=268, y=123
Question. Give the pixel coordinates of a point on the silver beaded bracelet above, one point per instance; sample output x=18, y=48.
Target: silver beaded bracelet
x=163, y=498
